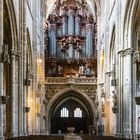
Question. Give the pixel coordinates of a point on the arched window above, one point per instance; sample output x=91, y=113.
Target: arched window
x=77, y=113
x=64, y=112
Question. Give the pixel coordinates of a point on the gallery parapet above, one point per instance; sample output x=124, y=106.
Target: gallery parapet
x=67, y=80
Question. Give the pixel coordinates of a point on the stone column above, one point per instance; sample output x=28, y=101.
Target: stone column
x=71, y=22
x=107, y=102
x=120, y=93
x=22, y=36
x=127, y=93
x=1, y=70
x=13, y=99
x=89, y=40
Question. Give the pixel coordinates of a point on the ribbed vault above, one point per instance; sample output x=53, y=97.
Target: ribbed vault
x=91, y=4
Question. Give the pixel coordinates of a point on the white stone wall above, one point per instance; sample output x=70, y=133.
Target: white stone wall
x=119, y=14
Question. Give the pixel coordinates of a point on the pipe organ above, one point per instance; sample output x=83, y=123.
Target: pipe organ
x=70, y=40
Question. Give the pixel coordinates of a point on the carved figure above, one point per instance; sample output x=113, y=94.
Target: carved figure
x=82, y=70
x=5, y=54
x=114, y=98
x=59, y=70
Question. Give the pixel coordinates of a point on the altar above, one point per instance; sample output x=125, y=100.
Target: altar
x=71, y=135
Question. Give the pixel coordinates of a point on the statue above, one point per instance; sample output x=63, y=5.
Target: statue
x=59, y=70
x=114, y=98
x=82, y=70
x=5, y=54
x=115, y=104
x=89, y=19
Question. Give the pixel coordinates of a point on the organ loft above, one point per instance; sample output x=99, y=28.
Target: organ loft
x=70, y=40
x=70, y=67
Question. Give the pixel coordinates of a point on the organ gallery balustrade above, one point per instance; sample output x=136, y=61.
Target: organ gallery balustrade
x=65, y=80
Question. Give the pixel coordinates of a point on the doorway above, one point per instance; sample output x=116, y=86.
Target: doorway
x=70, y=114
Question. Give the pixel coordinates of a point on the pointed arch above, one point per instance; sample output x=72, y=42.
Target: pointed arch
x=92, y=5
x=112, y=46
x=64, y=95
x=13, y=23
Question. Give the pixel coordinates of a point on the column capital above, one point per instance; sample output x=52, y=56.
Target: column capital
x=71, y=12
x=15, y=53
x=136, y=57
x=108, y=73
x=53, y=27
x=121, y=53
x=128, y=51
x=101, y=84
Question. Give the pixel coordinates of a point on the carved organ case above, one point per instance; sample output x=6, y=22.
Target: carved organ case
x=70, y=40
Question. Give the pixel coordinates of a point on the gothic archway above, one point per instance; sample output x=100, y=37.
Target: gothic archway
x=66, y=98
x=9, y=59
x=7, y=64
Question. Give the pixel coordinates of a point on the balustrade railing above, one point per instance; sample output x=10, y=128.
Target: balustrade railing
x=65, y=80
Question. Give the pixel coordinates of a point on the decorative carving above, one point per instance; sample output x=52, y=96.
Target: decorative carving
x=89, y=19
x=5, y=54
x=97, y=116
x=96, y=103
x=102, y=93
x=109, y=73
x=64, y=80
x=54, y=89
x=45, y=102
x=4, y=99
x=91, y=92
x=113, y=82
x=136, y=57
x=29, y=76
x=38, y=114
x=121, y=53
x=115, y=103
x=44, y=117
x=103, y=114
x=103, y=107
x=27, y=109
x=52, y=18
x=60, y=70
x=128, y=51
x=82, y=70
x=71, y=46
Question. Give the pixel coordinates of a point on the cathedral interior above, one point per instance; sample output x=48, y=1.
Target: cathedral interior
x=69, y=69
